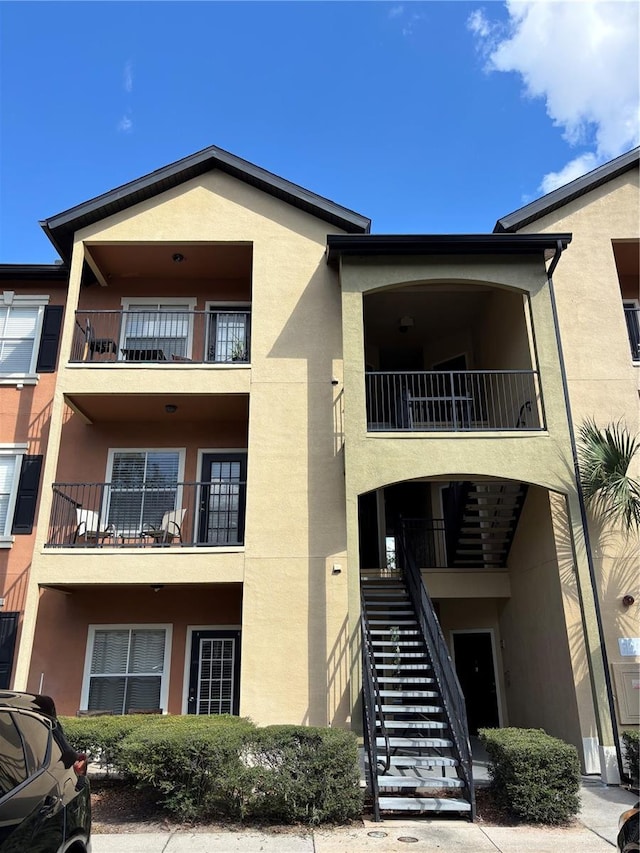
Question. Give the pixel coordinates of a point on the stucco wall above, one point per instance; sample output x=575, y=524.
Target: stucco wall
x=294, y=602
x=603, y=382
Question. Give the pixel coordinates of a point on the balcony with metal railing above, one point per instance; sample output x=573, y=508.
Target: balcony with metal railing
x=457, y=401
x=169, y=515
x=165, y=337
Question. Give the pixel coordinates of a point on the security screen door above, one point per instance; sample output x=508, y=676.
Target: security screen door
x=222, y=499
x=214, y=674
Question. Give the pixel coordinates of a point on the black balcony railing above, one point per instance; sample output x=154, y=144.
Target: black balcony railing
x=454, y=400
x=632, y=316
x=99, y=515
x=166, y=337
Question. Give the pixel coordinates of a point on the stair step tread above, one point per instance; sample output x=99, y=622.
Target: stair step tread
x=403, y=679
x=398, y=642
x=411, y=709
x=426, y=761
x=395, y=622
x=392, y=654
x=385, y=632
x=409, y=667
x=415, y=742
x=399, y=781
x=409, y=694
x=424, y=804
x=415, y=724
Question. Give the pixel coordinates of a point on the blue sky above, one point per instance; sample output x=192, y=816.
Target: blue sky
x=431, y=117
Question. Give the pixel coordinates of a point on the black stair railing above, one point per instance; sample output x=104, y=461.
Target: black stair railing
x=372, y=714
x=443, y=670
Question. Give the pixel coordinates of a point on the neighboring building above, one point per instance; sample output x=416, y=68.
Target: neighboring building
x=31, y=310
x=254, y=398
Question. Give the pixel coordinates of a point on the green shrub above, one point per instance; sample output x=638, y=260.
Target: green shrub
x=303, y=775
x=534, y=776
x=100, y=737
x=631, y=739
x=194, y=763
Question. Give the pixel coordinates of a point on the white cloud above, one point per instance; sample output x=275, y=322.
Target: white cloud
x=574, y=169
x=396, y=11
x=125, y=125
x=127, y=77
x=582, y=59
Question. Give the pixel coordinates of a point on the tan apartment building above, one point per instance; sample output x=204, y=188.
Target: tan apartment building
x=261, y=411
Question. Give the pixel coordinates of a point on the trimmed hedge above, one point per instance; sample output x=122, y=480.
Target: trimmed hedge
x=207, y=767
x=631, y=739
x=534, y=776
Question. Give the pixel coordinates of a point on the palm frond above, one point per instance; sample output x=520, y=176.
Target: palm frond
x=605, y=456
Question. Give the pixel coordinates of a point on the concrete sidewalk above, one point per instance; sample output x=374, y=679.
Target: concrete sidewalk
x=595, y=832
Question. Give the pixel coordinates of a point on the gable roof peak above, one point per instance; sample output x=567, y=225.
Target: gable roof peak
x=563, y=195
x=61, y=227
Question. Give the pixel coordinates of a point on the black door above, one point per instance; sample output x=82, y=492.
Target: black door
x=222, y=499
x=8, y=631
x=214, y=674
x=476, y=674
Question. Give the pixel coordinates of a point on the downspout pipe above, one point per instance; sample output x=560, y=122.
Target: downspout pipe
x=583, y=510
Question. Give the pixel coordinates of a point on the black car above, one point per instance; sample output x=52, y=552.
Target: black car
x=44, y=790
x=629, y=835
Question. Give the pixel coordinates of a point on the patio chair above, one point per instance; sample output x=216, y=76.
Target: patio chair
x=89, y=527
x=170, y=528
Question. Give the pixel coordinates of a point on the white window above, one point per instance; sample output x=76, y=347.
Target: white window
x=20, y=328
x=127, y=668
x=228, y=332
x=10, y=462
x=157, y=330
x=144, y=486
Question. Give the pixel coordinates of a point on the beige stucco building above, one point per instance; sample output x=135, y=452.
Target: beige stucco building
x=258, y=404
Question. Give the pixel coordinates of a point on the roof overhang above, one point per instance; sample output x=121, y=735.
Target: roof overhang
x=34, y=272
x=563, y=195
x=395, y=245
x=61, y=228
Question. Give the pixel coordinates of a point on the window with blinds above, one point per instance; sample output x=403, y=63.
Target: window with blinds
x=159, y=328
x=144, y=485
x=127, y=670
x=19, y=329
x=9, y=469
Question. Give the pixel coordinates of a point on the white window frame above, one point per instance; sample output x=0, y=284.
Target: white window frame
x=222, y=305
x=151, y=626
x=10, y=299
x=181, y=451
x=17, y=451
x=189, y=301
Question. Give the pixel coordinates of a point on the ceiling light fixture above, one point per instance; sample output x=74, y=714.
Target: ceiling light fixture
x=171, y=408
x=177, y=258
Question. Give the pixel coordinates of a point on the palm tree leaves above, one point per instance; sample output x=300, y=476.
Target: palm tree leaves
x=605, y=456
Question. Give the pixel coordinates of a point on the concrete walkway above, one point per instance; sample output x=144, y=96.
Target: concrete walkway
x=595, y=832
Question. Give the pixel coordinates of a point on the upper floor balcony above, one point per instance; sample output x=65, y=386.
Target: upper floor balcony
x=632, y=316
x=451, y=358
x=162, y=334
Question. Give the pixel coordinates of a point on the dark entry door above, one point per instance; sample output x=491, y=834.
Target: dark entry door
x=476, y=674
x=8, y=631
x=214, y=674
x=222, y=499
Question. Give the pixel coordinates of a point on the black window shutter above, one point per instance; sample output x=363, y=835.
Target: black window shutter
x=27, y=495
x=8, y=631
x=50, y=338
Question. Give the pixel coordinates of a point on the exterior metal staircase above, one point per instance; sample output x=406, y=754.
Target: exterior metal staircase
x=416, y=737
x=487, y=517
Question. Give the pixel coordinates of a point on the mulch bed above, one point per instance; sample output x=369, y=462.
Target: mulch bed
x=119, y=807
